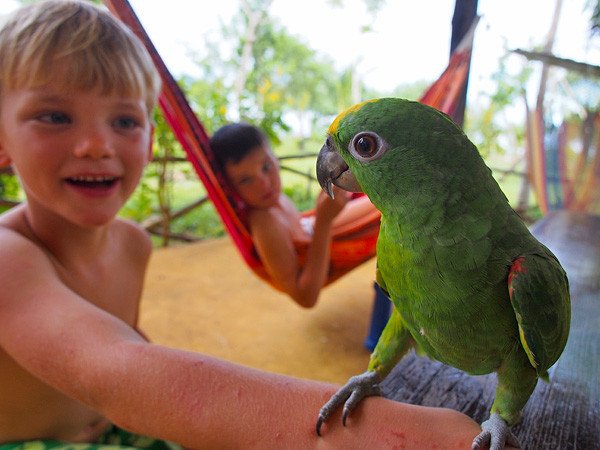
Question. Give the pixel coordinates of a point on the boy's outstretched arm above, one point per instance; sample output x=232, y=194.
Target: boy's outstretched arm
x=198, y=401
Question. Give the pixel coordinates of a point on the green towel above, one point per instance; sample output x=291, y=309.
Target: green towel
x=113, y=439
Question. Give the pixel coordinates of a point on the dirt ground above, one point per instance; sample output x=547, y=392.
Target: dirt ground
x=203, y=297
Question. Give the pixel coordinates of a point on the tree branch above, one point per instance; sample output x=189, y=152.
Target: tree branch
x=589, y=70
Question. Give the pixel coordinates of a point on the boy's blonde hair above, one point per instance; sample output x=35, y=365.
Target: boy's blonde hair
x=88, y=46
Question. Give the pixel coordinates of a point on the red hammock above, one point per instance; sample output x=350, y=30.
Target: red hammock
x=354, y=241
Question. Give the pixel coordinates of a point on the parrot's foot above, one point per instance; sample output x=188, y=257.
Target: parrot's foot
x=496, y=434
x=357, y=388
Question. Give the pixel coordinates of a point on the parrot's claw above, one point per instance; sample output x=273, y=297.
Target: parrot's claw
x=351, y=394
x=496, y=434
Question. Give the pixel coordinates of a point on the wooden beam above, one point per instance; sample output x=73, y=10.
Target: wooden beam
x=585, y=69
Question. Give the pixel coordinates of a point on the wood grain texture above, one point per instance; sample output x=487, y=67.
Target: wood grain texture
x=564, y=413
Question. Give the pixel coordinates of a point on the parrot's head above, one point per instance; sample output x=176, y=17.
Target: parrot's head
x=391, y=148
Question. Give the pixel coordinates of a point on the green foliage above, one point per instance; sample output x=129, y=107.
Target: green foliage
x=203, y=221
x=487, y=123
x=282, y=77
x=585, y=90
x=509, y=87
x=208, y=98
x=411, y=91
x=141, y=204
x=301, y=195
x=9, y=187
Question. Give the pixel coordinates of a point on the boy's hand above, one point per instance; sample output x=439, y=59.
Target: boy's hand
x=328, y=208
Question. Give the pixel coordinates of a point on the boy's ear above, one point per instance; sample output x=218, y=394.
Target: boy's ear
x=5, y=160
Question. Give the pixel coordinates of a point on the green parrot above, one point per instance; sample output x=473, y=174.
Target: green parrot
x=471, y=287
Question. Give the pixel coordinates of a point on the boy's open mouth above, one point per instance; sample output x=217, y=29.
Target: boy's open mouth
x=92, y=181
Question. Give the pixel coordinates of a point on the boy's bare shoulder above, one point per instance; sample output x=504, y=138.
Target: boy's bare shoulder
x=285, y=212
x=133, y=235
x=261, y=215
x=71, y=274
x=269, y=222
x=14, y=228
x=14, y=232
x=130, y=240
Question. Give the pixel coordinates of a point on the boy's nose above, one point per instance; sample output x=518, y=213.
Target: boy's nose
x=94, y=145
x=264, y=182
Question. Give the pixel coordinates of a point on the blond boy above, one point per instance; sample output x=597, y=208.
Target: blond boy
x=76, y=94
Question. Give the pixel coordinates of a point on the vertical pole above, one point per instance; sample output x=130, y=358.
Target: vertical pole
x=465, y=12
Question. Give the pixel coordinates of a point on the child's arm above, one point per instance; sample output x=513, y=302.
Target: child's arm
x=273, y=241
x=317, y=262
x=189, y=398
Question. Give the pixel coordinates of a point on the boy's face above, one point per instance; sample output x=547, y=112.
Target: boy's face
x=78, y=155
x=256, y=178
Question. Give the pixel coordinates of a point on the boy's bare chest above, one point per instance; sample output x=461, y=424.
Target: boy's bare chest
x=292, y=220
x=115, y=288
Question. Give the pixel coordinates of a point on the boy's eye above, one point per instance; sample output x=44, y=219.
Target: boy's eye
x=245, y=181
x=267, y=166
x=54, y=118
x=126, y=122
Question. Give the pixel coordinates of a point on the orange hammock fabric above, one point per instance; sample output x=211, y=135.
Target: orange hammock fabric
x=564, y=163
x=354, y=240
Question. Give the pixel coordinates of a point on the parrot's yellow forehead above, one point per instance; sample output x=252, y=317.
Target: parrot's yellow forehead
x=334, y=125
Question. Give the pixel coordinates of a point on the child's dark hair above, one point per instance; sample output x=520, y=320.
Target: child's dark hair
x=232, y=142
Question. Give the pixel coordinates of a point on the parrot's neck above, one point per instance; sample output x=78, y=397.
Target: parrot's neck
x=414, y=213
x=411, y=228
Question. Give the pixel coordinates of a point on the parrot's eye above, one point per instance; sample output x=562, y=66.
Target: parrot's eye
x=366, y=146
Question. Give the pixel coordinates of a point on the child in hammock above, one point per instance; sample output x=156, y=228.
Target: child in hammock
x=77, y=91
x=244, y=154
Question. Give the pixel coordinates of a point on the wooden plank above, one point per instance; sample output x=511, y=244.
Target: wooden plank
x=561, y=414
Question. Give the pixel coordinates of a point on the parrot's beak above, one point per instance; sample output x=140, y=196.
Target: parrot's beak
x=332, y=169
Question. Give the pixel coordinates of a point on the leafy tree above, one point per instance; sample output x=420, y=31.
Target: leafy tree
x=270, y=77
x=491, y=123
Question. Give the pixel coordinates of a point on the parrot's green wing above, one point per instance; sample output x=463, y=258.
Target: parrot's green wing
x=539, y=293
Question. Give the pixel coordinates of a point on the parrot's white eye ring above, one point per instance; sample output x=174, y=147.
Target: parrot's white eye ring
x=367, y=146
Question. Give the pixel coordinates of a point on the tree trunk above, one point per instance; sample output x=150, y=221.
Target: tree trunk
x=255, y=18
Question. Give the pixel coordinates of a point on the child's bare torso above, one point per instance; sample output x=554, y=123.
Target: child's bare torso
x=29, y=408
x=283, y=215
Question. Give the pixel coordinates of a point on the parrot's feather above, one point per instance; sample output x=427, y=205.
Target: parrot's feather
x=534, y=281
x=464, y=254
